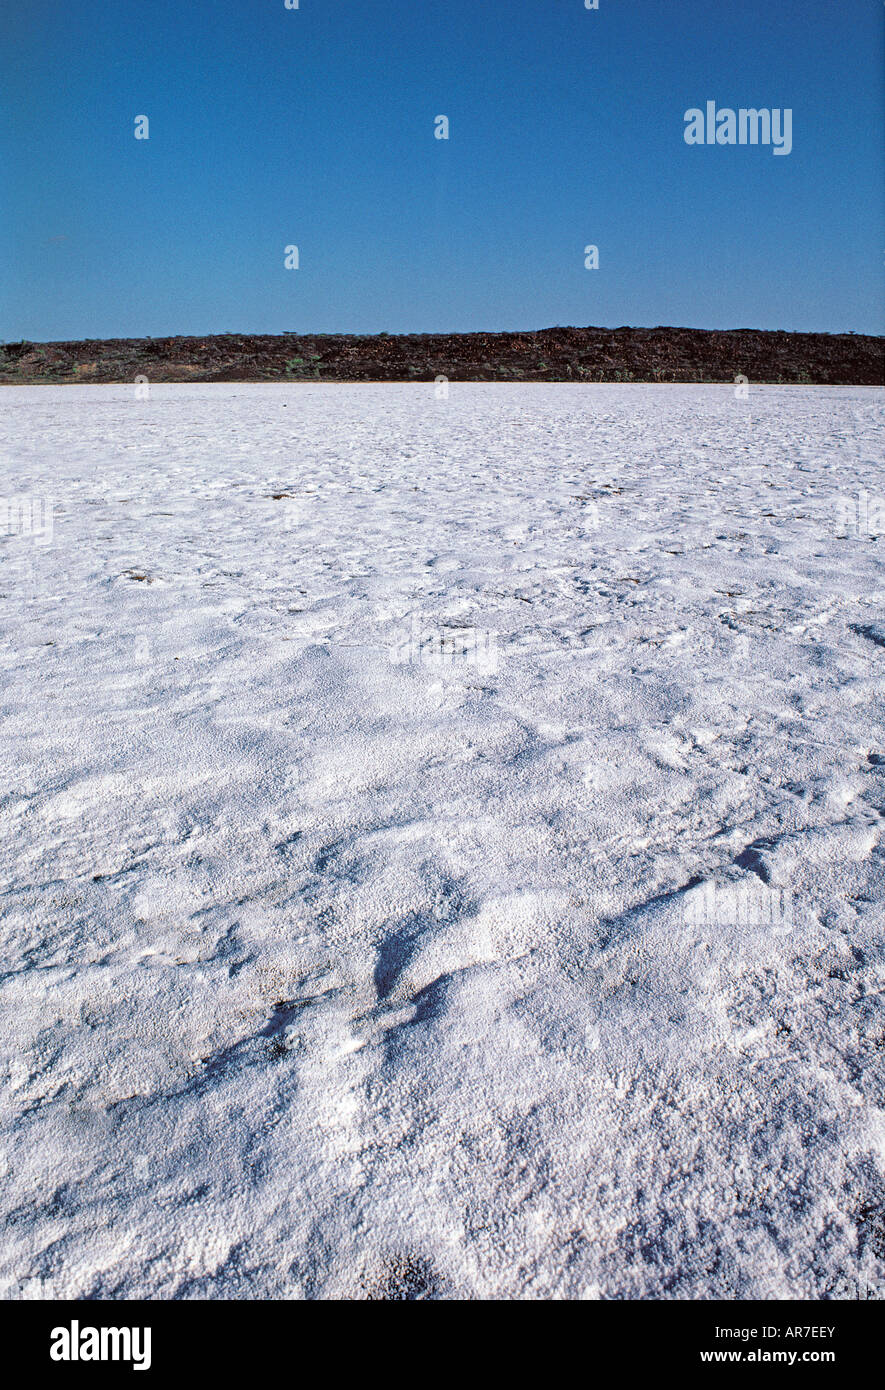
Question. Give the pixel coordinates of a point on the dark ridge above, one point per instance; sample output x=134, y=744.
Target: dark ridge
x=549, y=354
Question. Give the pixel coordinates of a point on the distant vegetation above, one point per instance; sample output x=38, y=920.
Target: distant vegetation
x=551, y=354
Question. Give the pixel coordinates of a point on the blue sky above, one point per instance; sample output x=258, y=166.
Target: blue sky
x=315, y=127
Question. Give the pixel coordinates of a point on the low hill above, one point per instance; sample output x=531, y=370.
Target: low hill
x=551, y=354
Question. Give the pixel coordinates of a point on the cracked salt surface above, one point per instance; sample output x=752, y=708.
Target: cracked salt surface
x=340, y=962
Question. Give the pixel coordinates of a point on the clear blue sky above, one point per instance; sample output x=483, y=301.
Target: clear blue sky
x=314, y=127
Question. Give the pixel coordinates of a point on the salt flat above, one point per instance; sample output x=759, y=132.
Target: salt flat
x=442, y=842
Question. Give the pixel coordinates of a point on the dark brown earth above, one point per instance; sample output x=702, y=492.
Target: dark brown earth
x=551, y=354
